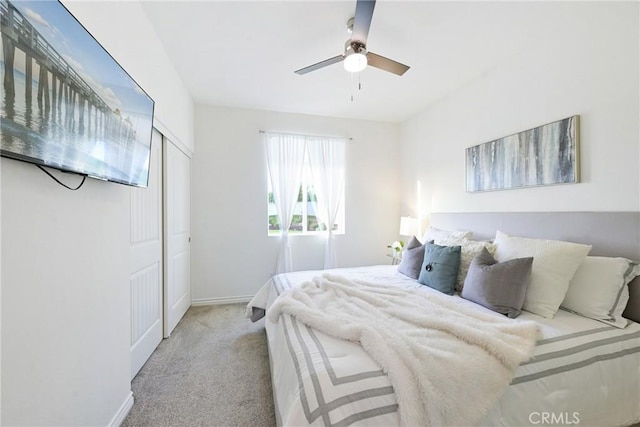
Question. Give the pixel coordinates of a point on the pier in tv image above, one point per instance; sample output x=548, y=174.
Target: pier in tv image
x=66, y=103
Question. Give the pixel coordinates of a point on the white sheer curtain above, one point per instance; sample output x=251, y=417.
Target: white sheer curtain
x=327, y=161
x=285, y=159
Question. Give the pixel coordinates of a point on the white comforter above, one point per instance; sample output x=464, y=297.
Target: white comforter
x=437, y=353
x=581, y=369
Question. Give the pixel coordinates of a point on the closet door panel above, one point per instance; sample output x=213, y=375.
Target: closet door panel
x=177, y=235
x=147, y=262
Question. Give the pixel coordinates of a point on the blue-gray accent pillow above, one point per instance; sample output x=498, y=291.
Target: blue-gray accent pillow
x=499, y=286
x=440, y=266
x=412, y=258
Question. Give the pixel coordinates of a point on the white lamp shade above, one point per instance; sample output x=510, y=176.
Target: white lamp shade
x=408, y=226
x=355, y=62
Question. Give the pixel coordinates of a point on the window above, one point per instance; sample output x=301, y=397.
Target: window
x=306, y=220
x=307, y=175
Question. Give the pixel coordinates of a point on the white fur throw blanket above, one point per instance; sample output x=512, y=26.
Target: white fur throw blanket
x=448, y=363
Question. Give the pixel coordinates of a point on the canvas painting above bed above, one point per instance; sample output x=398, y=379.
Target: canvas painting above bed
x=543, y=155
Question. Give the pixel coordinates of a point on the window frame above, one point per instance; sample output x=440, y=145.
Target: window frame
x=306, y=181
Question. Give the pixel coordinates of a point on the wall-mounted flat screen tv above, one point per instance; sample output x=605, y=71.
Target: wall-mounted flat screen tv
x=66, y=103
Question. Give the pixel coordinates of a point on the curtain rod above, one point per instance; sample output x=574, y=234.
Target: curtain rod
x=313, y=136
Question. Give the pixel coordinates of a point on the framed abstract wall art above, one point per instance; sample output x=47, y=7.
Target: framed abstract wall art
x=545, y=155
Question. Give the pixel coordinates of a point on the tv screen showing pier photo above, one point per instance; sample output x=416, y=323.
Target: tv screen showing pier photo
x=66, y=103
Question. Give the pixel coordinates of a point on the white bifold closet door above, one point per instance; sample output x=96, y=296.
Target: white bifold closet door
x=177, y=188
x=146, y=262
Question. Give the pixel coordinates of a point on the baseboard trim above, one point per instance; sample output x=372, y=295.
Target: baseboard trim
x=222, y=300
x=122, y=413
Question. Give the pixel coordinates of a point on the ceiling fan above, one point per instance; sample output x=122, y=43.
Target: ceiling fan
x=356, y=57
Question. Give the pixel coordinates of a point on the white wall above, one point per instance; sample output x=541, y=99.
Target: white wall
x=231, y=253
x=65, y=313
x=589, y=67
x=65, y=257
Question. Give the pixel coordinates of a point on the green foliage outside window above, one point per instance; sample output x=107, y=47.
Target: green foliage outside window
x=298, y=221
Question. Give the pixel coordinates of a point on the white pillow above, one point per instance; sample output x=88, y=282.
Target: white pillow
x=434, y=233
x=554, y=265
x=599, y=289
x=469, y=250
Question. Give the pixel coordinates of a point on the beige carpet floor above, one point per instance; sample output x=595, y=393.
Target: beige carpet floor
x=212, y=371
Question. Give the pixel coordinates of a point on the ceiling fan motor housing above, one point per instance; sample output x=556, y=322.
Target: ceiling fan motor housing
x=355, y=56
x=351, y=47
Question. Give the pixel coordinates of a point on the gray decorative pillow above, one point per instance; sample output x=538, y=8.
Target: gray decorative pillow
x=439, y=268
x=470, y=248
x=500, y=287
x=412, y=257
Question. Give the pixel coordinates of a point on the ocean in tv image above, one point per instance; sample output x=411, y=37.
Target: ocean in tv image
x=65, y=102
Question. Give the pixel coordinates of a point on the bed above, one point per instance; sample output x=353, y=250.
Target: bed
x=581, y=371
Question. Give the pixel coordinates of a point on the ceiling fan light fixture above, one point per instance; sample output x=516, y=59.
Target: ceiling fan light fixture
x=355, y=57
x=355, y=62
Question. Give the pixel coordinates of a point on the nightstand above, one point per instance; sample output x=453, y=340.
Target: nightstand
x=395, y=260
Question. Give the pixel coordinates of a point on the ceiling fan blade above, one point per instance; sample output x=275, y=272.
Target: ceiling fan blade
x=386, y=64
x=320, y=64
x=362, y=20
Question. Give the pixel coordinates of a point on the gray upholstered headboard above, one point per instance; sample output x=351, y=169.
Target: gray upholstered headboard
x=610, y=233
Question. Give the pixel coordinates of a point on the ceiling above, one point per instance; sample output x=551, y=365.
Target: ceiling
x=244, y=54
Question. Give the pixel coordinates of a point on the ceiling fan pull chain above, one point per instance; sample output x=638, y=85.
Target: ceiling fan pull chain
x=359, y=84
x=351, y=84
